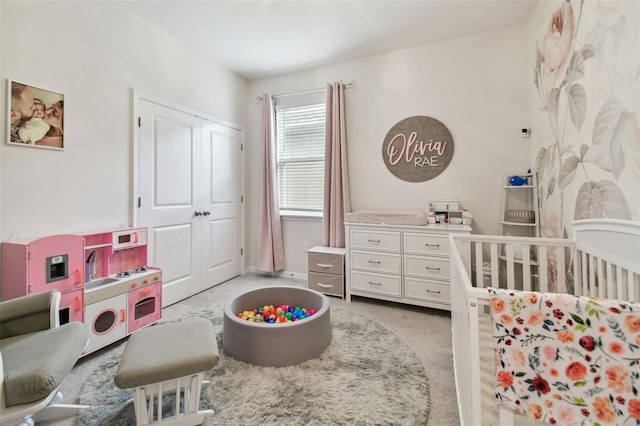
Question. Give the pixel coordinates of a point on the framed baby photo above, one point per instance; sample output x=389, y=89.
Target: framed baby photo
x=36, y=116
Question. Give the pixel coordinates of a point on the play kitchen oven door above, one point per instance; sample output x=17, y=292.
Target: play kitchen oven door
x=144, y=306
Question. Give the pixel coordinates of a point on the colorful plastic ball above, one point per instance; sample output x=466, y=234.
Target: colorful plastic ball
x=275, y=314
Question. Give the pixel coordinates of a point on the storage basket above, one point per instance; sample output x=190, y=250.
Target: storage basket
x=520, y=216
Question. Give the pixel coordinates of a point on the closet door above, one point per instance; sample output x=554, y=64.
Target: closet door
x=190, y=179
x=170, y=191
x=222, y=191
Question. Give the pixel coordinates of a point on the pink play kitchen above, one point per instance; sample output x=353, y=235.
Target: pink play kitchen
x=103, y=277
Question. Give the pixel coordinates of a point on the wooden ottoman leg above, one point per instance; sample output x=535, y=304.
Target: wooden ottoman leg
x=187, y=412
x=177, y=369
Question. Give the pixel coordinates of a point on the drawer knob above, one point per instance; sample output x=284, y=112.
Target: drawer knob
x=323, y=265
x=433, y=245
x=431, y=269
x=372, y=283
x=374, y=241
x=374, y=262
x=324, y=285
x=433, y=291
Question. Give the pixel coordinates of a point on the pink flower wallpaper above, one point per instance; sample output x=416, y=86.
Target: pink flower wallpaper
x=585, y=111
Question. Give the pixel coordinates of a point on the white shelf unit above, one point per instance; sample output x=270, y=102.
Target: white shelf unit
x=520, y=208
x=520, y=212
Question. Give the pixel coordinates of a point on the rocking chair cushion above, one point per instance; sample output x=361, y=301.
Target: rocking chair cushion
x=35, y=366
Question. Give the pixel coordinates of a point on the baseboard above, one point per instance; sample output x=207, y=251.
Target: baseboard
x=288, y=274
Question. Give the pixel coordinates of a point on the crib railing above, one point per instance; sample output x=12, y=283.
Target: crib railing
x=608, y=266
x=533, y=264
x=518, y=262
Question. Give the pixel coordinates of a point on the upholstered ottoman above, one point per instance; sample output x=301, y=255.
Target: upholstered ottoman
x=168, y=358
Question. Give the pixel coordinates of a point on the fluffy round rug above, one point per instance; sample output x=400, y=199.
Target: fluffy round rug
x=367, y=375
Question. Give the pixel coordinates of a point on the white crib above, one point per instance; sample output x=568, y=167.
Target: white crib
x=603, y=260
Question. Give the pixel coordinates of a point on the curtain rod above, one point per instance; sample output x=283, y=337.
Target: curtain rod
x=349, y=85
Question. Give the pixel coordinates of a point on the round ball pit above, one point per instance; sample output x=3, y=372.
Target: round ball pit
x=277, y=345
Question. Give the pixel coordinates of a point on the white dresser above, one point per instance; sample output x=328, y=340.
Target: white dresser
x=406, y=264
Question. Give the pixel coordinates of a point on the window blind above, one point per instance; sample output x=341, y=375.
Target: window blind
x=300, y=149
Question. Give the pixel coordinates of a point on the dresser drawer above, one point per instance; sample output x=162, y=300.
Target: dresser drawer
x=326, y=283
x=431, y=267
x=436, y=245
x=373, y=261
x=378, y=284
x=431, y=291
x=375, y=240
x=326, y=263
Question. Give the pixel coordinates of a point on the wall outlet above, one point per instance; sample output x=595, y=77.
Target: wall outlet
x=306, y=246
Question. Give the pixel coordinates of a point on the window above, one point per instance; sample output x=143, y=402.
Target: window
x=300, y=149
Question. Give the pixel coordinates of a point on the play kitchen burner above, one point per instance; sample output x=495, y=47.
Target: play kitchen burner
x=132, y=272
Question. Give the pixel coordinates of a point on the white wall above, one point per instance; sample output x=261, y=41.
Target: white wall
x=94, y=53
x=476, y=86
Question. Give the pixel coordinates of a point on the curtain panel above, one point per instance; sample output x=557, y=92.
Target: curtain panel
x=270, y=256
x=337, y=202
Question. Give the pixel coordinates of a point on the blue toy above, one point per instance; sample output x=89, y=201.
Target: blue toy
x=517, y=181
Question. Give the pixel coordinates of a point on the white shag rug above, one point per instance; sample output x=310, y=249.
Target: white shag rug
x=366, y=376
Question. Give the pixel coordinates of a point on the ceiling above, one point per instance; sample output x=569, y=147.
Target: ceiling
x=268, y=37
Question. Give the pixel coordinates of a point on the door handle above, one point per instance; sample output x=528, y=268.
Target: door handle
x=206, y=213
x=198, y=213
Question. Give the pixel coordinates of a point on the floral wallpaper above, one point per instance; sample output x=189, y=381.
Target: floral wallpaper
x=585, y=111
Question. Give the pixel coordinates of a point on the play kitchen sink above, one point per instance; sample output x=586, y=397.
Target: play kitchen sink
x=99, y=282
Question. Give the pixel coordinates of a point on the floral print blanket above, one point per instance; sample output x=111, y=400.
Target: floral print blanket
x=565, y=359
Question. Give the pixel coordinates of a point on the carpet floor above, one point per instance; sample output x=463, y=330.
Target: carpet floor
x=357, y=380
x=427, y=332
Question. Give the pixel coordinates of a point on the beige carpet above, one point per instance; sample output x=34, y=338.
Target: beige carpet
x=426, y=331
x=355, y=381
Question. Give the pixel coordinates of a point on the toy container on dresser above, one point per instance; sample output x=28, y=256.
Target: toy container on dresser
x=406, y=264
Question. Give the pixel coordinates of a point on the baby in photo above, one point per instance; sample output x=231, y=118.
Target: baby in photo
x=34, y=129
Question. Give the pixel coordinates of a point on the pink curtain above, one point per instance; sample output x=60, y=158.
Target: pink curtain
x=336, y=178
x=270, y=249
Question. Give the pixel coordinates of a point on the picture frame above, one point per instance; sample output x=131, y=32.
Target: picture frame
x=35, y=116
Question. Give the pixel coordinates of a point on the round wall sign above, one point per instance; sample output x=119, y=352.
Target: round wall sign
x=417, y=149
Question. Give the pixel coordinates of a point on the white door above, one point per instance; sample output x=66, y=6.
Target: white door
x=170, y=167
x=190, y=189
x=222, y=184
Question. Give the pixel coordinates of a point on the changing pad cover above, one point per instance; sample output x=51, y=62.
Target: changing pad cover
x=387, y=217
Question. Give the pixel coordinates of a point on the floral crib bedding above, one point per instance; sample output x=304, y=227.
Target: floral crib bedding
x=565, y=359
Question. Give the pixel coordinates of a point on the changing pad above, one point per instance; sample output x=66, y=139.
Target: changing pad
x=387, y=217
